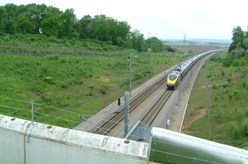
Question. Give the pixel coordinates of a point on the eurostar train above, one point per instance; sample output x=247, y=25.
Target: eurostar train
x=175, y=76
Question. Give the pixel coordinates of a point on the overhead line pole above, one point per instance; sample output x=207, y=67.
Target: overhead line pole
x=184, y=40
x=130, y=75
x=209, y=108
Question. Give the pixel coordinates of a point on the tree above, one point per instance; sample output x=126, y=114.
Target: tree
x=68, y=20
x=238, y=38
x=23, y=24
x=101, y=28
x=28, y=19
x=10, y=25
x=50, y=26
x=3, y=16
x=33, y=13
x=85, y=27
x=154, y=44
x=137, y=40
x=119, y=32
x=51, y=22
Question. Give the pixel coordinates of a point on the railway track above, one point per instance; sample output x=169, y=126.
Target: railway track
x=151, y=115
x=105, y=127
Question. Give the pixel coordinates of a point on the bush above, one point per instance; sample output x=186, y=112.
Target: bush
x=103, y=89
x=245, y=126
x=222, y=73
x=244, y=84
x=234, y=130
x=227, y=62
x=218, y=114
x=236, y=94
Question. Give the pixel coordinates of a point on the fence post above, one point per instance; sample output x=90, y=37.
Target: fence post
x=32, y=123
x=126, y=112
x=32, y=106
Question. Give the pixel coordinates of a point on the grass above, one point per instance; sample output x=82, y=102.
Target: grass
x=228, y=89
x=68, y=89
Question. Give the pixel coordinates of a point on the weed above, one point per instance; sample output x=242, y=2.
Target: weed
x=222, y=73
x=218, y=114
x=229, y=106
x=245, y=127
x=234, y=130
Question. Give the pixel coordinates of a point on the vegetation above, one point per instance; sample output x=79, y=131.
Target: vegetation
x=239, y=46
x=81, y=85
x=51, y=22
x=228, y=88
x=229, y=109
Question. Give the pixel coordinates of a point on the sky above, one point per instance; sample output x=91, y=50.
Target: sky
x=164, y=19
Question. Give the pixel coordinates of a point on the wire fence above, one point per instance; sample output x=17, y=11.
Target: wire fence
x=32, y=111
x=29, y=110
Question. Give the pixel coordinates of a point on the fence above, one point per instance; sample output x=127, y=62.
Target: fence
x=30, y=110
x=35, y=112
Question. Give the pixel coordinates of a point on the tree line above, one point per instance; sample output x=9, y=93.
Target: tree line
x=239, y=45
x=52, y=22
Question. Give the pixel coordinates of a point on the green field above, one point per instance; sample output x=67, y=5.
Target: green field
x=227, y=121
x=66, y=89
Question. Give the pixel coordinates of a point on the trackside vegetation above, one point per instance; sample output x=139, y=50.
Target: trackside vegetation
x=83, y=84
x=225, y=117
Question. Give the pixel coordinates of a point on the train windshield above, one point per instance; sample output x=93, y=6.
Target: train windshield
x=172, y=77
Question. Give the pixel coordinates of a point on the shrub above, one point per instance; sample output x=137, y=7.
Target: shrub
x=222, y=73
x=239, y=113
x=103, y=89
x=236, y=94
x=218, y=114
x=244, y=84
x=225, y=85
x=234, y=130
x=245, y=126
x=227, y=62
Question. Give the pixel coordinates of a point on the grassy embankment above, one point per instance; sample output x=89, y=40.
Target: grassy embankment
x=67, y=89
x=228, y=90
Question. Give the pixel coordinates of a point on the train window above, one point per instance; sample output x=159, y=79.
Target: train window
x=172, y=77
x=178, y=69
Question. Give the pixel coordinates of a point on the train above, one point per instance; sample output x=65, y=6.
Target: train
x=176, y=75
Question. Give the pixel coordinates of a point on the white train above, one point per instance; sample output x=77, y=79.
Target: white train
x=174, y=77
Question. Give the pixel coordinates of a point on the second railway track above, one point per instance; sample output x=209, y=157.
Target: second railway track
x=106, y=126
x=112, y=124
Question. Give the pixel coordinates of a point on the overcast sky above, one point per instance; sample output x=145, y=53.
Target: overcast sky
x=164, y=19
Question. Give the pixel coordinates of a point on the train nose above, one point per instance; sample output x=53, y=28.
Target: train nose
x=170, y=86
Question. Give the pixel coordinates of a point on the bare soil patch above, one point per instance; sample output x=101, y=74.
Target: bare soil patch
x=196, y=115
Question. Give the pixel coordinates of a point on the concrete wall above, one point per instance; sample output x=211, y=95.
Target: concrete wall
x=22, y=142
x=168, y=146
